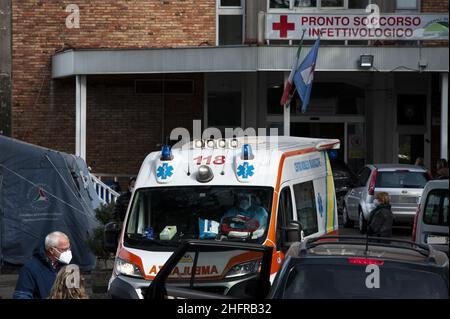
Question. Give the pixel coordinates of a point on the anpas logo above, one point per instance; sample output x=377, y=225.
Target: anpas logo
x=39, y=197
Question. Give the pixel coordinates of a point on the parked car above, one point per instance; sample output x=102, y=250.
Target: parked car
x=344, y=180
x=330, y=267
x=403, y=183
x=431, y=223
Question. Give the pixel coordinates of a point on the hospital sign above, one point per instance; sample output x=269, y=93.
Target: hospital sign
x=290, y=26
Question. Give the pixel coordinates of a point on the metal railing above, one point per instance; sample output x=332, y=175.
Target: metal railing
x=105, y=193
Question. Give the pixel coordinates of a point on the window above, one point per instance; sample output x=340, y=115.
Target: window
x=230, y=22
x=224, y=109
x=436, y=208
x=321, y=4
x=411, y=109
x=406, y=5
x=184, y=87
x=284, y=214
x=401, y=179
x=306, y=207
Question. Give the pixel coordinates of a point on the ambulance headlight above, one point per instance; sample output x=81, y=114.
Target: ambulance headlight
x=244, y=269
x=211, y=144
x=124, y=267
x=204, y=174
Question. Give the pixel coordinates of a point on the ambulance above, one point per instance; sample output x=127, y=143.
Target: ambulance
x=263, y=190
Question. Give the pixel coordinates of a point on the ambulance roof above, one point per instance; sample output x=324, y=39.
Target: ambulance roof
x=225, y=158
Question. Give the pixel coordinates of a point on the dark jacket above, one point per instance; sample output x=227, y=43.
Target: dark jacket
x=120, y=209
x=380, y=221
x=36, y=277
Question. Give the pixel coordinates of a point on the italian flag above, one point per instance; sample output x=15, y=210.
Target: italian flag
x=290, y=82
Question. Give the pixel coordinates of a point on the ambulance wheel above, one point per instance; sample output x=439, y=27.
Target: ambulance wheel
x=348, y=223
x=362, y=223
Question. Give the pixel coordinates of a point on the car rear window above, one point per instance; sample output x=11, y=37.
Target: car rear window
x=356, y=281
x=401, y=179
x=436, y=208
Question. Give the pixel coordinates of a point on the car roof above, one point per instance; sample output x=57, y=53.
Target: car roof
x=395, y=252
x=438, y=183
x=389, y=167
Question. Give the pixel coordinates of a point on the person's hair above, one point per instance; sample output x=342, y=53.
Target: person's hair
x=383, y=198
x=420, y=161
x=52, y=239
x=65, y=288
x=131, y=180
x=441, y=163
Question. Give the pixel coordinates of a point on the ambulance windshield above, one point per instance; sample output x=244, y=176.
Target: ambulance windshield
x=165, y=215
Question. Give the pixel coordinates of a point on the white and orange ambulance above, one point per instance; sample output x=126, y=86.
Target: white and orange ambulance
x=264, y=190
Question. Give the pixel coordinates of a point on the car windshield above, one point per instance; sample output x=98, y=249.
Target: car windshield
x=163, y=216
x=354, y=281
x=401, y=179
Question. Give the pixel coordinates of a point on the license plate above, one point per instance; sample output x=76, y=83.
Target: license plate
x=437, y=240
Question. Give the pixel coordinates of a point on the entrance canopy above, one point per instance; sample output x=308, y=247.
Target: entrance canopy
x=243, y=59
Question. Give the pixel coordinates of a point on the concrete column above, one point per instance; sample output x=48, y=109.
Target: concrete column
x=444, y=115
x=5, y=67
x=80, y=126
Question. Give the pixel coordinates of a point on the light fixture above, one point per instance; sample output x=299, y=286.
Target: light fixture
x=366, y=61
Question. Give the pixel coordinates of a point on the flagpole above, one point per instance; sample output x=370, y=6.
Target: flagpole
x=287, y=105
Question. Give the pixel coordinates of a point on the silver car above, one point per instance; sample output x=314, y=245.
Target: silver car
x=431, y=223
x=403, y=183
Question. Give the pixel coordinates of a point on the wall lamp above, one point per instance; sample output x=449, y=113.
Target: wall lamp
x=365, y=61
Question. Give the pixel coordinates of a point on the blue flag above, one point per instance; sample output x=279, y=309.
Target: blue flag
x=304, y=75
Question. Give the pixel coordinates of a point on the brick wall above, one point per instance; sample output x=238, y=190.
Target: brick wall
x=43, y=110
x=434, y=6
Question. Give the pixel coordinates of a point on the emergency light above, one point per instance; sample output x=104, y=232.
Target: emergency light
x=247, y=152
x=166, y=153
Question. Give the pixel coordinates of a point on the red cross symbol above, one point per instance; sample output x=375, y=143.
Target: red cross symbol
x=283, y=26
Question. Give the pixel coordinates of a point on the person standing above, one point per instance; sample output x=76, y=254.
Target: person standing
x=442, y=169
x=37, y=276
x=69, y=284
x=120, y=209
x=381, y=217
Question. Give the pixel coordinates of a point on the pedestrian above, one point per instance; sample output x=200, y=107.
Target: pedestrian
x=120, y=209
x=421, y=163
x=69, y=284
x=442, y=169
x=38, y=275
x=381, y=217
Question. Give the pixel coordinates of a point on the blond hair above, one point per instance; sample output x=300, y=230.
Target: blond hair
x=383, y=198
x=63, y=288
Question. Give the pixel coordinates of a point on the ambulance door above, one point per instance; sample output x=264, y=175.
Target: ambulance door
x=285, y=216
x=305, y=206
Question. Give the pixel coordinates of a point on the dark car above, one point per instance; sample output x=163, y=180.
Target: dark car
x=344, y=180
x=322, y=268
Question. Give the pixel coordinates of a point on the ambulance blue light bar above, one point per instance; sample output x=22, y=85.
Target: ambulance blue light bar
x=247, y=152
x=166, y=153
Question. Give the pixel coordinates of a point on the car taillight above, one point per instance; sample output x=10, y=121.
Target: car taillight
x=373, y=179
x=413, y=237
x=365, y=261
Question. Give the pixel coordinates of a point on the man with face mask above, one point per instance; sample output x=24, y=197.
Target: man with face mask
x=120, y=209
x=38, y=275
x=246, y=220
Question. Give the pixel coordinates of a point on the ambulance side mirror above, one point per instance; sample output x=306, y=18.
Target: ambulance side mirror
x=111, y=236
x=293, y=233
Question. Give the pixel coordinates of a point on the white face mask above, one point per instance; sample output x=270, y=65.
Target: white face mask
x=65, y=257
x=131, y=189
x=376, y=202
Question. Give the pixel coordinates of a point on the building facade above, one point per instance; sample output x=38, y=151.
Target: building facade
x=110, y=80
